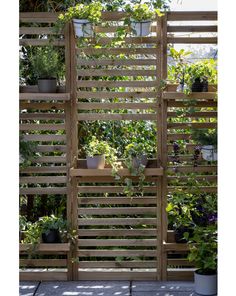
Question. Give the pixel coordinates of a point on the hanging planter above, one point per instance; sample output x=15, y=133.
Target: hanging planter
x=83, y=17
x=142, y=28
x=141, y=17
x=209, y=153
x=83, y=28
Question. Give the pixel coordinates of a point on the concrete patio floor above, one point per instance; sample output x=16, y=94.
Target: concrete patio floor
x=107, y=288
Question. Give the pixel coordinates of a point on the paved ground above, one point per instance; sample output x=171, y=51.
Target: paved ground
x=107, y=288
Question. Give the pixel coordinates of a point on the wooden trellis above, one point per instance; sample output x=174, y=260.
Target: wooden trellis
x=103, y=241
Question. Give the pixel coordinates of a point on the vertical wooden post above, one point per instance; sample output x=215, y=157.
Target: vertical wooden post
x=164, y=151
x=72, y=143
x=159, y=150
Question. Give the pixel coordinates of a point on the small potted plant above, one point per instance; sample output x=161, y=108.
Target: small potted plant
x=203, y=252
x=207, y=139
x=47, y=67
x=99, y=152
x=83, y=17
x=200, y=74
x=50, y=228
x=141, y=18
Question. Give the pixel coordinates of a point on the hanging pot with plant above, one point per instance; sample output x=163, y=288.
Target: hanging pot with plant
x=83, y=16
x=141, y=18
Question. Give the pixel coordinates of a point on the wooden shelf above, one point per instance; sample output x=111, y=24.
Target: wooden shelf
x=64, y=247
x=175, y=247
x=108, y=172
x=44, y=96
x=172, y=95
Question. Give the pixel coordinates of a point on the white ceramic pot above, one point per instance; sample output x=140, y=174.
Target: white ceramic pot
x=141, y=28
x=83, y=28
x=209, y=153
x=96, y=162
x=205, y=284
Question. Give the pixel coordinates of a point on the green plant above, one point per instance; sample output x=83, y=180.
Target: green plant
x=52, y=222
x=46, y=63
x=22, y=223
x=205, y=136
x=136, y=149
x=27, y=152
x=96, y=147
x=141, y=12
x=203, y=249
x=91, y=12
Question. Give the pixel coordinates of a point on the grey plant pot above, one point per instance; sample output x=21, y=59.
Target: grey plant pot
x=96, y=162
x=205, y=284
x=137, y=161
x=47, y=85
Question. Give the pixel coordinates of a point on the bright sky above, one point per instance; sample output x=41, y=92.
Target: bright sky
x=198, y=5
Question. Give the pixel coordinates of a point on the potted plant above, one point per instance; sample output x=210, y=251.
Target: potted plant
x=50, y=228
x=22, y=225
x=99, y=152
x=203, y=252
x=141, y=18
x=207, y=139
x=83, y=17
x=47, y=67
x=200, y=74
x=136, y=159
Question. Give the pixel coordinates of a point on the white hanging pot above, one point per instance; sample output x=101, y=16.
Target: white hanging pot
x=142, y=28
x=83, y=28
x=209, y=153
x=205, y=284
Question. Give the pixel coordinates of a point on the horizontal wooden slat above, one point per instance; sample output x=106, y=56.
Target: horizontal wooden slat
x=43, y=276
x=117, y=51
x=117, y=200
x=43, y=262
x=42, y=106
x=107, y=116
x=180, y=274
x=46, y=190
x=115, y=253
x=127, y=40
x=175, y=247
x=107, y=172
x=50, y=148
x=44, y=170
x=45, y=138
x=112, y=95
x=192, y=15
x=197, y=114
x=117, y=211
x=202, y=189
x=131, y=83
x=116, y=72
x=191, y=169
x=117, y=221
x=192, y=28
x=42, y=116
x=116, y=106
x=49, y=159
x=40, y=180
x=192, y=40
x=65, y=247
x=117, y=232
x=181, y=262
x=193, y=95
x=113, y=275
x=195, y=125
x=41, y=127
x=36, y=30
x=116, y=62
x=45, y=96
x=197, y=104
x=118, y=264
x=41, y=42
x=117, y=242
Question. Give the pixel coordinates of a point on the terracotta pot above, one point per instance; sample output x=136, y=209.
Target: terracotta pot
x=205, y=284
x=47, y=85
x=96, y=162
x=83, y=28
x=137, y=161
x=52, y=237
x=141, y=28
